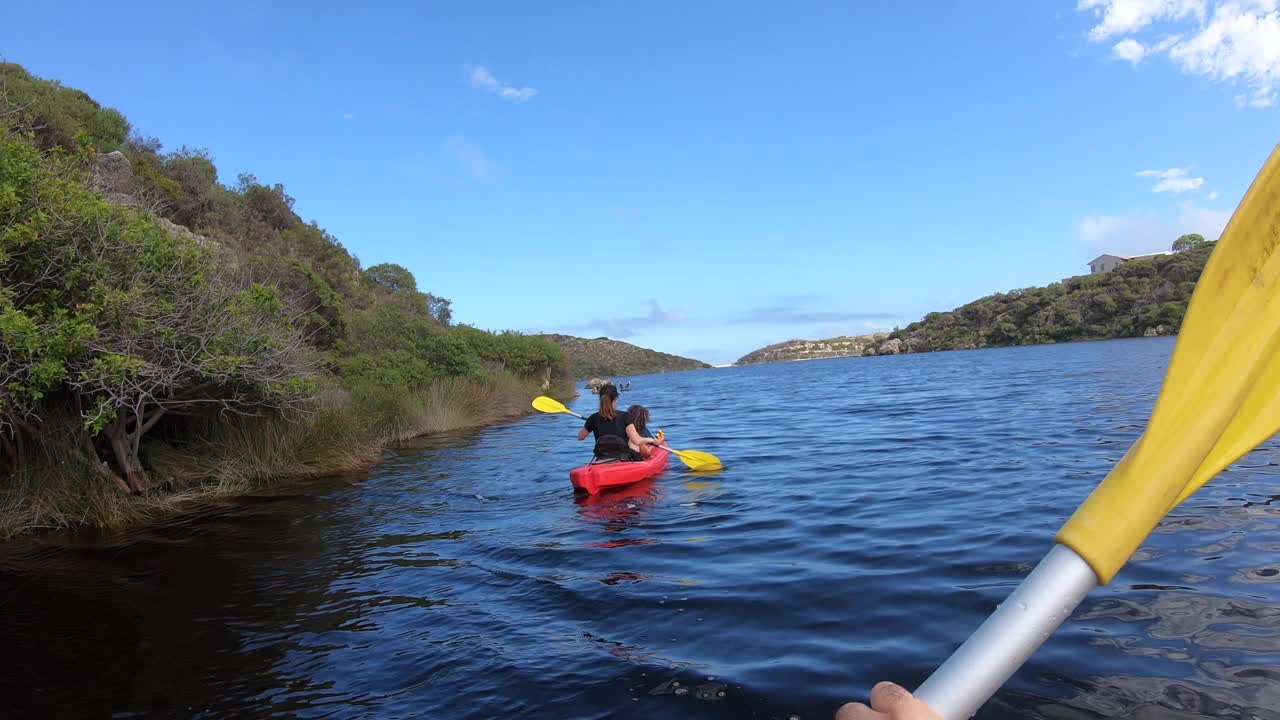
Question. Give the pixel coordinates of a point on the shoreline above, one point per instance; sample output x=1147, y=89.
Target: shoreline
x=947, y=350
x=242, y=458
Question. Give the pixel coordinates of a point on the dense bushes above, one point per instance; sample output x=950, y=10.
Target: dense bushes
x=102, y=304
x=59, y=116
x=1139, y=297
x=133, y=339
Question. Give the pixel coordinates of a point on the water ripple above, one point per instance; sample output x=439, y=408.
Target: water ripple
x=871, y=513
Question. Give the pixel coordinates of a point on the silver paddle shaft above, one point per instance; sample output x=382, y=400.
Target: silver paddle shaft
x=1019, y=625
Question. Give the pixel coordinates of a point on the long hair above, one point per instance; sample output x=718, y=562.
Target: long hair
x=608, y=395
x=639, y=415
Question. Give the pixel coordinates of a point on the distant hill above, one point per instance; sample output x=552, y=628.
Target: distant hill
x=837, y=347
x=602, y=357
x=1143, y=297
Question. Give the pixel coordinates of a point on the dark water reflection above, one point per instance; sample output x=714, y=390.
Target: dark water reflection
x=871, y=514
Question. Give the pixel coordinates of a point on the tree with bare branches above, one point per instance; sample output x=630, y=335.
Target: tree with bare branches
x=102, y=303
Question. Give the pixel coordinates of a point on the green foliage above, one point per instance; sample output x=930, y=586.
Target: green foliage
x=195, y=174
x=1141, y=296
x=519, y=354
x=392, y=277
x=1189, y=242
x=58, y=116
x=103, y=302
x=119, y=320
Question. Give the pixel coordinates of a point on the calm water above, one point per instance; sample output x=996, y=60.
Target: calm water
x=872, y=512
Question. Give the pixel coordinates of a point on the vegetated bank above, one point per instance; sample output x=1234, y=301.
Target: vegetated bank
x=1140, y=298
x=165, y=337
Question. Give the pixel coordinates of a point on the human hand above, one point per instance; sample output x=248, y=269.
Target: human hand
x=889, y=702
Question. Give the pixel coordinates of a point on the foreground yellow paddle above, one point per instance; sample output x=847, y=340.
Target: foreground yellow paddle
x=1221, y=398
x=695, y=459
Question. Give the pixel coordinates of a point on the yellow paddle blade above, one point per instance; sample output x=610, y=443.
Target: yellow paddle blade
x=698, y=460
x=542, y=403
x=1221, y=395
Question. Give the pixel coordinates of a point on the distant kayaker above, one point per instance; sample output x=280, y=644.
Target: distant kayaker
x=616, y=436
x=643, y=441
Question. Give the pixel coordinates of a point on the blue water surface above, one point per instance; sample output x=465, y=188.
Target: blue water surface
x=872, y=512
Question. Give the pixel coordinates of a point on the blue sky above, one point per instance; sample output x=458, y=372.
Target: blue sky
x=704, y=178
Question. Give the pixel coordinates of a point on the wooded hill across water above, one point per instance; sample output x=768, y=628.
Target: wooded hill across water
x=164, y=336
x=602, y=357
x=1141, y=297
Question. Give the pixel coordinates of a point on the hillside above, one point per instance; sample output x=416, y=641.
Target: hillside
x=1140, y=298
x=602, y=357
x=1144, y=297
x=151, y=318
x=837, y=347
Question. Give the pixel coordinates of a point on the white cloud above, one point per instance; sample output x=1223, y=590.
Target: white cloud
x=1213, y=195
x=1129, y=234
x=471, y=160
x=1238, y=41
x=1122, y=17
x=1209, y=222
x=1173, y=180
x=1144, y=231
x=1129, y=49
x=481, y=78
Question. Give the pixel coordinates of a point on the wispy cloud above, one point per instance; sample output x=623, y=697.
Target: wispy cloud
x=1144, y=231
x=471, y=160
x=1174, y=180
x=1209, y=222
x=348, y=116
x=1235, y=41
x=1213, y=195
x=624, y=327
x=480, y=78
x=802, y=315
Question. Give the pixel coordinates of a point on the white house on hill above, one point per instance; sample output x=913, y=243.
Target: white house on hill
x=1105, y=263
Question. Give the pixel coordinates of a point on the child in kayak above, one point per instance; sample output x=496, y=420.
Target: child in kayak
x=642, y=441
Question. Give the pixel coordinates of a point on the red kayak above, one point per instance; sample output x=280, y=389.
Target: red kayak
x=597, y=477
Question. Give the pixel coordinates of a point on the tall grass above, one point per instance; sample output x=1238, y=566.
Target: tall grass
x=62, y=486
x=240, y=454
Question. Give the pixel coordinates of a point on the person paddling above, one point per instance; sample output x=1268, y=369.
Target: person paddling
x=609, y=425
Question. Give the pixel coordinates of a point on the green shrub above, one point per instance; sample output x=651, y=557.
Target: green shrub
x=59, y=116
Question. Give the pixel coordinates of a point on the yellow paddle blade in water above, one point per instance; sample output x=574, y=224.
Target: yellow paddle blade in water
x=697, y=460
x=1221, y=395
x=542, y=403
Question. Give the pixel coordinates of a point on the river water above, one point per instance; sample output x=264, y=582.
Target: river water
x=871, y=514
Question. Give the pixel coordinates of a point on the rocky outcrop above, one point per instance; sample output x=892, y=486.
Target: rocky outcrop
x=113, y=178
x=892, y=346
x=1156, y=331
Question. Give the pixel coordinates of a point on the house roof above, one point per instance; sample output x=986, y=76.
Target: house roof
x=1104, y=256
x=1129, y=257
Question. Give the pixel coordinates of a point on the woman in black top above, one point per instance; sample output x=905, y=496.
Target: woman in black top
x=615, y=434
